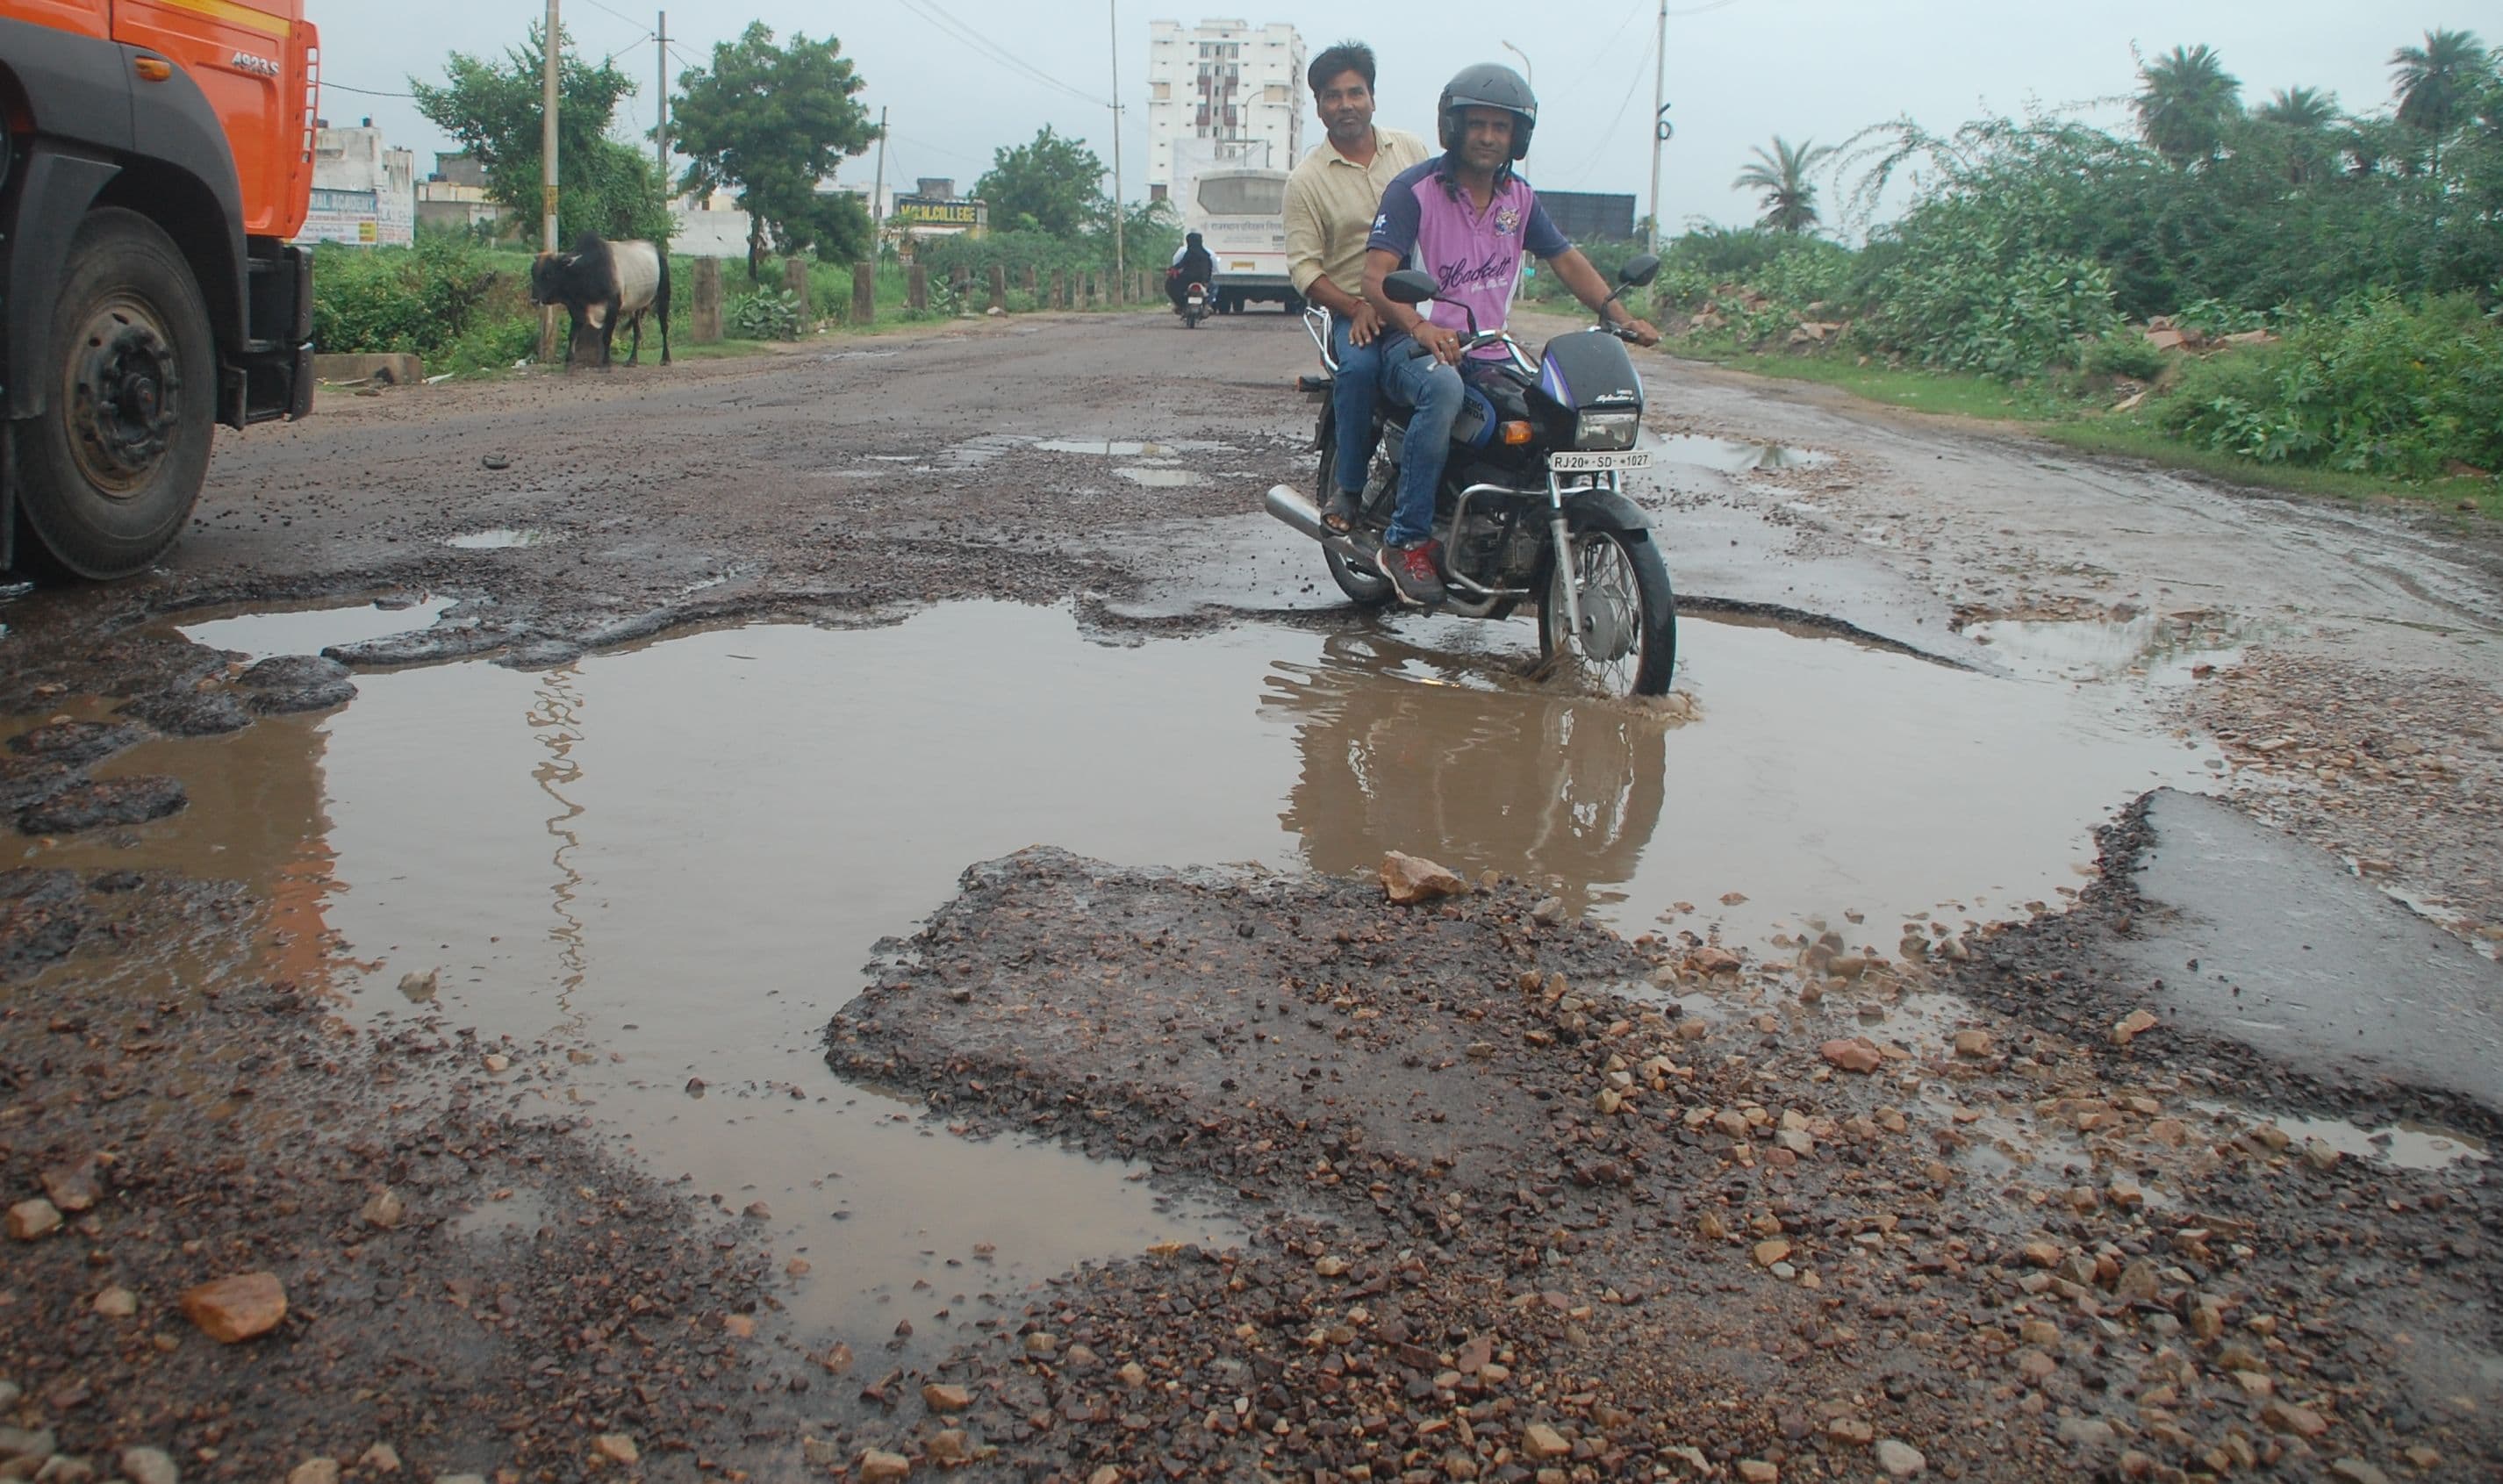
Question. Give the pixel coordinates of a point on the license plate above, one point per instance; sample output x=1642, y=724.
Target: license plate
x=1575, y=462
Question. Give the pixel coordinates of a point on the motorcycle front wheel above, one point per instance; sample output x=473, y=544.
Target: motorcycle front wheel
x=1627, y=645
x=1364, y=586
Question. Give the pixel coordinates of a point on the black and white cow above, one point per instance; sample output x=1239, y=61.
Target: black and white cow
x=601, y=283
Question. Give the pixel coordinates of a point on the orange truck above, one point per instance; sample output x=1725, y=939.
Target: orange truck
x=160, y=157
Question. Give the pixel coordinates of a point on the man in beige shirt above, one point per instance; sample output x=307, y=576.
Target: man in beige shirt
x=1330, y=203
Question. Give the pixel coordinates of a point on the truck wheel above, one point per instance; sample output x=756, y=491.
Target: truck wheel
x=108, y=473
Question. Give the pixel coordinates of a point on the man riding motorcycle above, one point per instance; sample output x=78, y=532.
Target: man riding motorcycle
x=1191, y=264
x=1467, y=218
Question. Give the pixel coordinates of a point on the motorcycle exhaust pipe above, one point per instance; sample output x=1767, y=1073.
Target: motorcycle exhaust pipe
x=1291, y=506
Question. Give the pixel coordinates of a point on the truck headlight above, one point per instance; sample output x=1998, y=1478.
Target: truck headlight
x=1607, y=429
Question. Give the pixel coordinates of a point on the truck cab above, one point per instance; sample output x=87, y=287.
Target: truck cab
x=158, y=159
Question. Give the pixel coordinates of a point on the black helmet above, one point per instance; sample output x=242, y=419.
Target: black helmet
x=1487, y=85
x=1192, y=239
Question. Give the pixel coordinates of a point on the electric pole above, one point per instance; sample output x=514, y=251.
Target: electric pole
x=1658, y=117
x=877, y=190
x=1118, y=259
x=1118, y=264
x=547, y=133
x=661, y=138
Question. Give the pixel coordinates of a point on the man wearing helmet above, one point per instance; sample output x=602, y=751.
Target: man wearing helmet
x=1467, y=218
x=1191, y=264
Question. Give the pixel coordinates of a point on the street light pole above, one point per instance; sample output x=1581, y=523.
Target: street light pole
x=1120, y=265
x=1658, y=117
x=547, y=132
x=1527, y=72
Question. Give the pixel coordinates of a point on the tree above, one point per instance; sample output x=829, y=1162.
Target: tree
x=2439, y=84
x=1054, y=185
x=496, y=110
x=776, y=121
x=1789, y=197
x=2299, y=124
x=2185, y=103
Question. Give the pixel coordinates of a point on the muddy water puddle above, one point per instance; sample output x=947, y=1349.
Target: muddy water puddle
x=309, y=628
x=660, y=871
x=1732, y=457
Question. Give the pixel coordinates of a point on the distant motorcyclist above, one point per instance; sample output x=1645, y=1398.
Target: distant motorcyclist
x=1467, y=219
x=1191, y=264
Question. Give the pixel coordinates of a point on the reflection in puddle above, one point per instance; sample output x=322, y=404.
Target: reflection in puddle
x=1732, y=457
x=2410, y=1145
x=1115, y=449
x=309, y=629
x=2102, y=649
x=1163, y=478
x=684, y=854
x=502, y=540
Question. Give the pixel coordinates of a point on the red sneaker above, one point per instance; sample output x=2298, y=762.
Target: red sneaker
x=1414, y=570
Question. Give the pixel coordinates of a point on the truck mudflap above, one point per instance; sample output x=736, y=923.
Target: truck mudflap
x=51, y=199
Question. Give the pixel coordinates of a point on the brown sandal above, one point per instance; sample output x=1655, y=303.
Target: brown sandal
x=1339, y=515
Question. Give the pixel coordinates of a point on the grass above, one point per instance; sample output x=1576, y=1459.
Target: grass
x=2066, y=416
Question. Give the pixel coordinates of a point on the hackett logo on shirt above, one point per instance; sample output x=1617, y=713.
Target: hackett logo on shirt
x=1507, y=221
x=1457, y=277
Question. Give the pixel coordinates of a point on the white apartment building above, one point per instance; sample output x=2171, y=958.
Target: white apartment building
x=1222, y=93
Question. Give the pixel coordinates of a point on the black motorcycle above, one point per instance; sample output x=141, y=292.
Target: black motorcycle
x=1194, y=305
x=1532, y=507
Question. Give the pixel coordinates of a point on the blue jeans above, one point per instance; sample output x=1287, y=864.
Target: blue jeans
x=1436, y=391
x=1351, y=399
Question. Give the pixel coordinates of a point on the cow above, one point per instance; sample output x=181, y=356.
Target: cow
x=601, y=283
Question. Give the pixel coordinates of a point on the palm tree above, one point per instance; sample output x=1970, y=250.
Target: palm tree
x=2304, y=109
x=2303, y=118
x=2438, y=84
x=2185, y=101
x=1789, y=197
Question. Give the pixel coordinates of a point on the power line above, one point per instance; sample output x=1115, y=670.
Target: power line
x=956, y=30
x=330, y=86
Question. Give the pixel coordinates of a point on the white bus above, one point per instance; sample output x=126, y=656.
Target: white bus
x=1241, y=214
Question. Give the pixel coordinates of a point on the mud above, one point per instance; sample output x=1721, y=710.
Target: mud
x=533, y=914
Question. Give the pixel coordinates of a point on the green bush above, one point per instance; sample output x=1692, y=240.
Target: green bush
x=765, y=315
x=2125, y=353
x=2378, y=385
x=416, y=300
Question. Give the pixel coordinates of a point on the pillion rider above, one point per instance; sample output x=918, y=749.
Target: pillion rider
x=1331, y=199
x=1191, y=264
x=1467, y=218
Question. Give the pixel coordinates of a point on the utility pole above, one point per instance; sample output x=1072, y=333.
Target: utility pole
x=547, y=132
x=1119, y=265
x=877, y=190
x=661, y=136
x=1658, y=117
x=547, y=169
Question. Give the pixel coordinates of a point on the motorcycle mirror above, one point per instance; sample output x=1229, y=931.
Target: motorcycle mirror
x=1639, y=270
x=1410, y=286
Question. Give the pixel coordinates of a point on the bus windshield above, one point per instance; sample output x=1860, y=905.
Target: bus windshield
x=1243, y=196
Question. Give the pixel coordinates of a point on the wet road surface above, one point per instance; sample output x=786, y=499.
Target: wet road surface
x=656, y=740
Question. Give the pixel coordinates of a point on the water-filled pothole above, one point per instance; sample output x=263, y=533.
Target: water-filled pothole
x=684, y=854
x=502, y=539
x=310, y=628
x=1732, y=457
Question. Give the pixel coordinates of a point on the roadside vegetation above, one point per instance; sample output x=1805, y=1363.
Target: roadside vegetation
x=2293, y=292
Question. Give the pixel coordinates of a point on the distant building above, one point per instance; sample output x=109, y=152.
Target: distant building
x=365, y=193
x=1222, y=93
x=454, y=197
x=1591, y=216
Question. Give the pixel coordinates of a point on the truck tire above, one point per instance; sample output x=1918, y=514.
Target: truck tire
x=108, y=473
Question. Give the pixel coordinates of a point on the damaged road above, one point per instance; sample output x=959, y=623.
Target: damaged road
x=444, y=889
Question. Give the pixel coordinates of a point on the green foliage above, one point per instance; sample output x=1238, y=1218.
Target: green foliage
x=2185, y=103
x=494, y=109
x=1053, y=185
x=773, y=122
x=415, y=300
x=765, y=315
x=1787, y=194
x=2125, y=353
x=2377, y=386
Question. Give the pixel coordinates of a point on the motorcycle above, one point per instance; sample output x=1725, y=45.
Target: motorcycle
x=1532, y=507
x=1194, y=305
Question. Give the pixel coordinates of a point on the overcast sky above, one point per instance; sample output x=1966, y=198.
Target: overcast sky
x=1739, y=71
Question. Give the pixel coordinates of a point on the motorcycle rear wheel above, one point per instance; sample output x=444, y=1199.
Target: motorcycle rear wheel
x=1629, y=640
x=1364, y=586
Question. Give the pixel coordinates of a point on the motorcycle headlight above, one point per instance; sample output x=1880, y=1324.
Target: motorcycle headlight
x=1606, y=430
